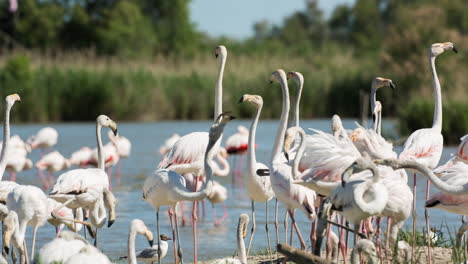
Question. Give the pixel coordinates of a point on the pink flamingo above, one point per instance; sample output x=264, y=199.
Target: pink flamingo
x=45, y=138
x=168, y=144
x=187, y=154
x=81, y=156
x=52, y=162
x=425, y=145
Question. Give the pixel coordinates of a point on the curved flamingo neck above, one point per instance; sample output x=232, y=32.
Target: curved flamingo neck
x=6, y=138
x=220, y=172
x=297, y=104
x=373, y=97
x=131, y=247
x=241, y=245
x=219, y=87
x=437, y=123
x=251, y=158
x=300, y=153
x=99, y=146
x=283, y=121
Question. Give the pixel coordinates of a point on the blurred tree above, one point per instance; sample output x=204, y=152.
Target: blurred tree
x=125, y=31
x=340, y=23
x=366, y=26
x=262, y=30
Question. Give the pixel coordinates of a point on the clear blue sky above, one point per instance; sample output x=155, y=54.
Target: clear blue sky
x=235, y=18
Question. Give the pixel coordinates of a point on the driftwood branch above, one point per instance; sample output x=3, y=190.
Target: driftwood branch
x=300, y=256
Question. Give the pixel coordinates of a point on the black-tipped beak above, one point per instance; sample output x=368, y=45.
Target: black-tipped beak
x=455, y=49
x=232, y=117
x=110, y=223
x=392, y=85
x=151, y=242
x=241, y=100
x=91, y=231
x=7, y=249
x=287, y=156
x=19, y=101
x=115, y=131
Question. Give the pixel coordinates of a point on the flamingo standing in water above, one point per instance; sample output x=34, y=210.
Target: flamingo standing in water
x=123, y=147
x=81, y=156
x=52, y=162
x=425, y=145
x=111, y=158
x=187, y=154
x=167, y=187
x=45, y=138
x=290, y=194
x=236, y=145
x=258, y=187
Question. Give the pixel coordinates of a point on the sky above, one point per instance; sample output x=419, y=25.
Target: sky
x=235, y=18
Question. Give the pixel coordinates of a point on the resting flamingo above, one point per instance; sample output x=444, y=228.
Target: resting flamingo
x=52, y=162
x=425, y=145
x=168, y=144
x=88, y=254
x=88, y=188
x=123, y=147
x=240, y=234
x=291, y=195
x=61, y=248
x=45, y=138
x=167, y=187
x=258, y=187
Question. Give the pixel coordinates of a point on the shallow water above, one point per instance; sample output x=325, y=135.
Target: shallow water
x=213, y=241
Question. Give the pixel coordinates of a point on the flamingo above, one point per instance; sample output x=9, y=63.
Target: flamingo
x=88, y=188
x=258, y=188
x=167, y=187
x=9, y=102
x=111, y=158
x=123, y=147
x=61, y=248
x=425, y=145
x=81, y=156
x=291, y=195
x=138, y=227
x=88, y=254
x=377, y=116
x=221, y=157
x=237, y=144
x=17, y=162
x=52, y=162
x=378, y=83
x=168, y=144
x=27, y=205
x=65, y=213
x=46, y=137
x=241, y=232
x=460, y=156
x=366, y=247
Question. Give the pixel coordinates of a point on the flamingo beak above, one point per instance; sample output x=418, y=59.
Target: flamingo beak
x=151, y=242
x=392, y=85
x=455, y=49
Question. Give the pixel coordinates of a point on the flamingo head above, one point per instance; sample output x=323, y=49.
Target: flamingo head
x=243, y=224
x=221, y=51
x=289, y=138
x=279, y=75
x=379, y=82
x=139, y=227
x=254, y=99
x=439, y=48
x=12, y=98
x=297, y=77
x=105, y=121
x=10, y=223
x=336, y=125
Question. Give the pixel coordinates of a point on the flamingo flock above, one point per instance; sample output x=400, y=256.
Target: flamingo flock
x=349, y=175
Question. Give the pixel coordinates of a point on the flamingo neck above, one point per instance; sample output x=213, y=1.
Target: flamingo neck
x=300, y=153
x=240, y=245
x=251, y=159
x=6, y=138
x=437, y=123
x=373, y=97
x=220, y=172
x=219, y=88
x=296, y=105
x=131, y=247
x=99, y=146
x=283, y=122
x=379, y=122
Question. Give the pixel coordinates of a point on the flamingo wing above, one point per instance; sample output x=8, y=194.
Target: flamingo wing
x=188, y=149
x=425, y=146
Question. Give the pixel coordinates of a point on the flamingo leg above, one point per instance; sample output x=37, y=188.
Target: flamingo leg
x=276, y=225
x=239, y=172
x=215, y=222
x=327, y=245
x=414, y=213
x=428, y=227
x=24, y=253
x=171, y=215
x=313, y=235
x=203, y=208
x=225, y=212
x=182, y=211
x=34, y=241
x=252, y=231
x=159, y=238
x=95, y=237
x=286, y=227
x=194, y=225
x=119, y=172
x=293, y=218
x=379, y=241
x=266, y=228
x=43, y=179
x=387, y=242
x=51, y=178
x=179, y=248
x=12, y=176
x=233, y=172
x=341, y=242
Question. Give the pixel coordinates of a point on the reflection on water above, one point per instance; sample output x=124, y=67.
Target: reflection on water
x=213, y=241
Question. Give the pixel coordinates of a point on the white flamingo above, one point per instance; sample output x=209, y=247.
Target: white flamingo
x=88, y=188
x=365, y=247
x=241, y=232
x=9, y=102
x=291, y=195
x=425, y=145
x=52, y=162
x=167, y=187
x=236, y=145
x=17, y=161
x=258, y=187
x=88, y=254
x=45, y=138
x=137, y=227
x=81, y=156
x=61, y=248
x=27, y=205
